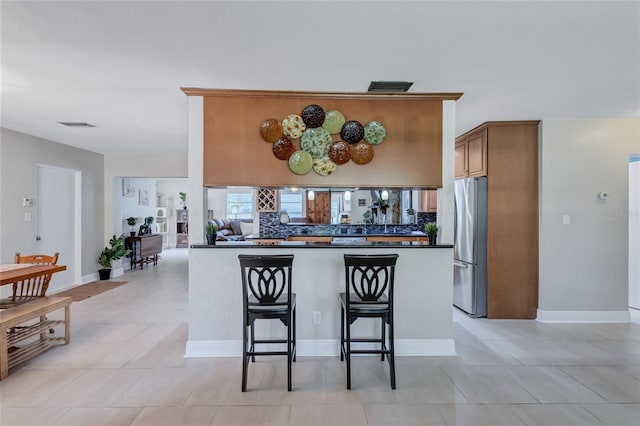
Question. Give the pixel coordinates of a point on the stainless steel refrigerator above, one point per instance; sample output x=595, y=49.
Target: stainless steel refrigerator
x=470, y=246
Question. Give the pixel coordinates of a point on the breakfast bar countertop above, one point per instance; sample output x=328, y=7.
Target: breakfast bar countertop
x=334, y=244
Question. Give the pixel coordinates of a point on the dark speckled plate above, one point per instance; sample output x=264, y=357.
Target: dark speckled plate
x=352, y=131
x=313, y=116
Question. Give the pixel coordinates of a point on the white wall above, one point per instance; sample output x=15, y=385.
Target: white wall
x=19, y=154
x=634, y=231
x=584, y=265
x=131, y=207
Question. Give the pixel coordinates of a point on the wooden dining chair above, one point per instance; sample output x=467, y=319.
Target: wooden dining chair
x=31, y=288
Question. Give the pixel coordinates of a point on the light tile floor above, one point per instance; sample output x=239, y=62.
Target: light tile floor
x=125, y=366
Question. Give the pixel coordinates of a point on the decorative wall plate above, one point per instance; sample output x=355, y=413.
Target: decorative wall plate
x=271, y=130
x=340, y=152
x=333, y=121
x=313, y=116
x=352, y=131
x=324, y=166
x=374, y=132
x=293, y=126
x=316, y=141
x=301, y=162
x=283, y=148
x=362, y=153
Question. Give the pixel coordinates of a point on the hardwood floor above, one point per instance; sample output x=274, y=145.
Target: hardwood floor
x=125, y=366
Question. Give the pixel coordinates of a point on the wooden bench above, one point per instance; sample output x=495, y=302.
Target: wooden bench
x=13, y=330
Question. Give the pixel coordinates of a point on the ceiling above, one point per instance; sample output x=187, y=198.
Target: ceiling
x=120, y=65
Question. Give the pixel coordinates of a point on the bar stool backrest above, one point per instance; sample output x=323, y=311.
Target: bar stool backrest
x=266, y=278
x=370, y=276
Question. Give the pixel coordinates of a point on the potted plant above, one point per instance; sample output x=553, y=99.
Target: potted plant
x=114, y=251
x=149, y=221
x=212, y=230
x=131, y=221
x=412, y=214
x=431, y=229
x=183, y=200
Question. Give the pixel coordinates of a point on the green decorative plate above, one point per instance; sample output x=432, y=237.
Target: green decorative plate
x=333, y=121
x=374, y=132
x=300, y=162
x=316, y=141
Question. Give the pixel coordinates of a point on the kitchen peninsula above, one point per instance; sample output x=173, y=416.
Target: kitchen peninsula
x=423, y=296
x=418, y=153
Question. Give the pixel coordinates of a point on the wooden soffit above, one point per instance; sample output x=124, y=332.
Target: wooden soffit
x=236, y=155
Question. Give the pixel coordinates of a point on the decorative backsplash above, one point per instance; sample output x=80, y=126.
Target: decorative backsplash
x=270, y=227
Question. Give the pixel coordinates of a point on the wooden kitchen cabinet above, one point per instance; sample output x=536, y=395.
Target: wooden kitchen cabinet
x=471, y=155
x=429, y=201
x=507, y=153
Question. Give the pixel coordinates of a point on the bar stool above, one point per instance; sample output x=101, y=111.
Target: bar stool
x=369, y=284
x=266, y=294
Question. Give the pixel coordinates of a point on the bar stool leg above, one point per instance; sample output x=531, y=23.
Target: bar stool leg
x=245, y=358
x=392, y=355
x=289, y=351
x=341, y=333
x=295, y=347
x=348, y=354
x=382, y=339
x=253, y=341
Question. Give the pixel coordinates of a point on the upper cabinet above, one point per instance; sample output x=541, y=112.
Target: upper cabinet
x=471, y=155
x=429, y=201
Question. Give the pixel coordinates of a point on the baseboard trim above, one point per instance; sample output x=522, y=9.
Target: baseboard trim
x=326, y=347
x=583, y=316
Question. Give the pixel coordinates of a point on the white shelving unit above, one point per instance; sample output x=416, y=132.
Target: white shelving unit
x=162, y=221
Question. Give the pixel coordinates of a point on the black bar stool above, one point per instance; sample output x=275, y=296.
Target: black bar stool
x=369, y=284
x=266, y=294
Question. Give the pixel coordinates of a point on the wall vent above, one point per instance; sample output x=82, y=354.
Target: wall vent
x=389, y=86
x=75, y=124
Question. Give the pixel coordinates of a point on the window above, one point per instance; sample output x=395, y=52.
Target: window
x=292, y=203
x=240, y=205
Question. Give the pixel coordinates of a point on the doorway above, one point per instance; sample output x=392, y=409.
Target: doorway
x=58, y=221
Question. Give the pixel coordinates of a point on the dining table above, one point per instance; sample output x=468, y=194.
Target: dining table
x=15, y=272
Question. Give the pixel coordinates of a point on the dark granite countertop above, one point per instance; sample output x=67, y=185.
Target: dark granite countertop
x=305, y=244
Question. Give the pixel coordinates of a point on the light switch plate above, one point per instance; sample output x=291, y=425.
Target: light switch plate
x=27, y=216
x=566, y=219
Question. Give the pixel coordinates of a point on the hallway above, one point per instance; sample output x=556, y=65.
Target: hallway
x=125, y=365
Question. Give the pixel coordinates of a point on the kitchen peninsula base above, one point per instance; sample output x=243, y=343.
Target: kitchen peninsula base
x=423, y=298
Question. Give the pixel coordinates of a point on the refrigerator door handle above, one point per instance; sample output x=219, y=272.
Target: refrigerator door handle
x=460, y=265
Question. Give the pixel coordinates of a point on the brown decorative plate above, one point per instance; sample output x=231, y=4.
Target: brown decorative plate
x=362, y=153
x=283, y=148
x=271, y=130
x=313, y=116
x=340, y=152
x=352, y=131
x=293, y=126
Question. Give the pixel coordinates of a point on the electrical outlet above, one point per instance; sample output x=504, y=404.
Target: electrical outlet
x=317, y=317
